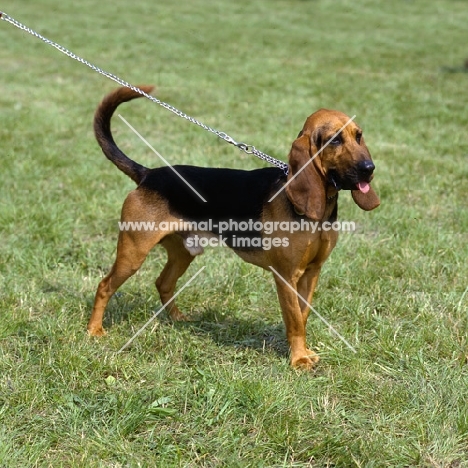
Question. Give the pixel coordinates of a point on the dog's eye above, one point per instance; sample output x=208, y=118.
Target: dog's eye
x=358, y=137
x=336, y=140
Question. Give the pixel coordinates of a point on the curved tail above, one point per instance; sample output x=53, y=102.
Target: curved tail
x=102, y=131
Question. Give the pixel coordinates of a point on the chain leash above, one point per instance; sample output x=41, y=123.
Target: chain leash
x=249, y=149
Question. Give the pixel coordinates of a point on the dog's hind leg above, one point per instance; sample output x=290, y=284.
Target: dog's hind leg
x=130, y=256
x=132, y=248
x=178, y=260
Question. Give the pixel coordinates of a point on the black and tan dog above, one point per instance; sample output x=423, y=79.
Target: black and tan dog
x=311, y=194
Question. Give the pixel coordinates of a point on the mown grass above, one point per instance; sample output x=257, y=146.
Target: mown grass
x=218, y=391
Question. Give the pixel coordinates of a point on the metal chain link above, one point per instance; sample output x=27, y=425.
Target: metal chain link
x=249, y=149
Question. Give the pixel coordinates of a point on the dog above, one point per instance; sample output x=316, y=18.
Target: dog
x=323, y=161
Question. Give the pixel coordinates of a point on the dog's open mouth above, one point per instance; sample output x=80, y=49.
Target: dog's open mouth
x=350, y=181
x=347, y=183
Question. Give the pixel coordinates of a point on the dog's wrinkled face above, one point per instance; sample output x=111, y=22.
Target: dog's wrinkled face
x=330, y=151
x=344, y=160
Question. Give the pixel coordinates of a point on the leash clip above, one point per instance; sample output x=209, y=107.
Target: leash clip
x=224, y=136
x=249, y=149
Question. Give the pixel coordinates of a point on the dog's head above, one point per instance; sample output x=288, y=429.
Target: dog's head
x=329, y=152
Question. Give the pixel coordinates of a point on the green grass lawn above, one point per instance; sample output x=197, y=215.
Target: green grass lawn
x=218, y=391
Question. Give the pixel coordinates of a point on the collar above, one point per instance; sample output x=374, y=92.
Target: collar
x=334, y=193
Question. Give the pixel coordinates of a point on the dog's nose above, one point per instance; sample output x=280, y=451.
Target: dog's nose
x=365, y=168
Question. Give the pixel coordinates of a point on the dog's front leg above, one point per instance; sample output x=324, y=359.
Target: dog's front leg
x=295, y=324
x=306, y=287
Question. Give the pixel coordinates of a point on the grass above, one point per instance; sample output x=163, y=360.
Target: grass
x=218, y=391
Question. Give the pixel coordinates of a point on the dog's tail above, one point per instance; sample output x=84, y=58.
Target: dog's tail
x=102, y=131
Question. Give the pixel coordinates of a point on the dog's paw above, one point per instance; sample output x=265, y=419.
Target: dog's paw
x=96, y=331
x=177, y=316
x=307, y=362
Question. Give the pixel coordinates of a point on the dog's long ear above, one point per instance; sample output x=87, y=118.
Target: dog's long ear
x=366, y=201
x=306, y=191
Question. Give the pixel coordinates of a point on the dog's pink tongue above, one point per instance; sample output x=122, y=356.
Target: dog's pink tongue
x=363, y=187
